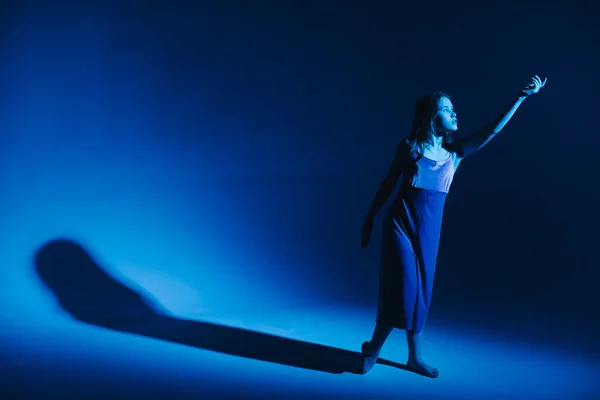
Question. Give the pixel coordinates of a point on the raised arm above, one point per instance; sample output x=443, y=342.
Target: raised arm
x=472, y=143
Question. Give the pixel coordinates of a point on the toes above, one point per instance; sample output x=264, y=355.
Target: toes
x=429, y=371
x=423, y=369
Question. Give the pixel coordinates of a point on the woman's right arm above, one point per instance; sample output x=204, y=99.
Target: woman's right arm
x=386, y=188
x=389, y=183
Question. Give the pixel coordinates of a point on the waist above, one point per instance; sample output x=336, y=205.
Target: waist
x=410, y=199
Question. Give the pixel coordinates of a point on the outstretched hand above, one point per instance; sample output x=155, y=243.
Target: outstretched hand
x=533, y=87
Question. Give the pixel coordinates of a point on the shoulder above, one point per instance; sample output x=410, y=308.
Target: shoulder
x=405, y=150
x=406, y=146
x=454, y=153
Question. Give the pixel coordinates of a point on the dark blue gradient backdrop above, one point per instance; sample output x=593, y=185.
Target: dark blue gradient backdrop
x=220, y=156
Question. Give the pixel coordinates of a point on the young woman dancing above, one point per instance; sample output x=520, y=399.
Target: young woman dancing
x=424, y=163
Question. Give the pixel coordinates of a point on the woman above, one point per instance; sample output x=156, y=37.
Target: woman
x=426, y=160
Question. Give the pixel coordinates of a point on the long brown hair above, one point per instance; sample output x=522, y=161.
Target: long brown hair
x=423, y=127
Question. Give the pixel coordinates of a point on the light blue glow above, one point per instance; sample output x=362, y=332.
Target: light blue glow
x=471, y=367
x=95, y=150
x=229, y=185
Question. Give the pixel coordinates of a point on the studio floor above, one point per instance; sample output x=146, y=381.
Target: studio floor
x=300, y=353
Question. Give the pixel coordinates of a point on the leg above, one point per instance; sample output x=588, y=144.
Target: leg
x=415, y=362
x=398, y=282
x=371, y=349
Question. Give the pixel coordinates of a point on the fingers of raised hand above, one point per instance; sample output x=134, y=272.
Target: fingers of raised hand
x=537, y=81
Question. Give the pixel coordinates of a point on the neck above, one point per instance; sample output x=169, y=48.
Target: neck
x=436, y=142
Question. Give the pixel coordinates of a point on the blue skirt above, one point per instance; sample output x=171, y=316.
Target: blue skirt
x=410, y=241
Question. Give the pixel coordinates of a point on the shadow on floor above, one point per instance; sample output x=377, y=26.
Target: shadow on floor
x=91, y=295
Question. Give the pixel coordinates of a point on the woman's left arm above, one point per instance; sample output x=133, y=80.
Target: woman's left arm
x=472, y=143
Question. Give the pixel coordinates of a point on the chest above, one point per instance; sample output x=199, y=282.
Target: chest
x=436, y=155
x=432, y=174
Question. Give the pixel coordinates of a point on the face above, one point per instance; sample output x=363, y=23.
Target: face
x=446, y=120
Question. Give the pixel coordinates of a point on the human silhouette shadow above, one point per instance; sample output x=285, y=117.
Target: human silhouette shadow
x=89, y=294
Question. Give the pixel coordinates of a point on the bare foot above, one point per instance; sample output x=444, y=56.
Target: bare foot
x=370, y=357
x=421, y=368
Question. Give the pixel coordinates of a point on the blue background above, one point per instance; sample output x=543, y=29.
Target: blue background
x=220, y=157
